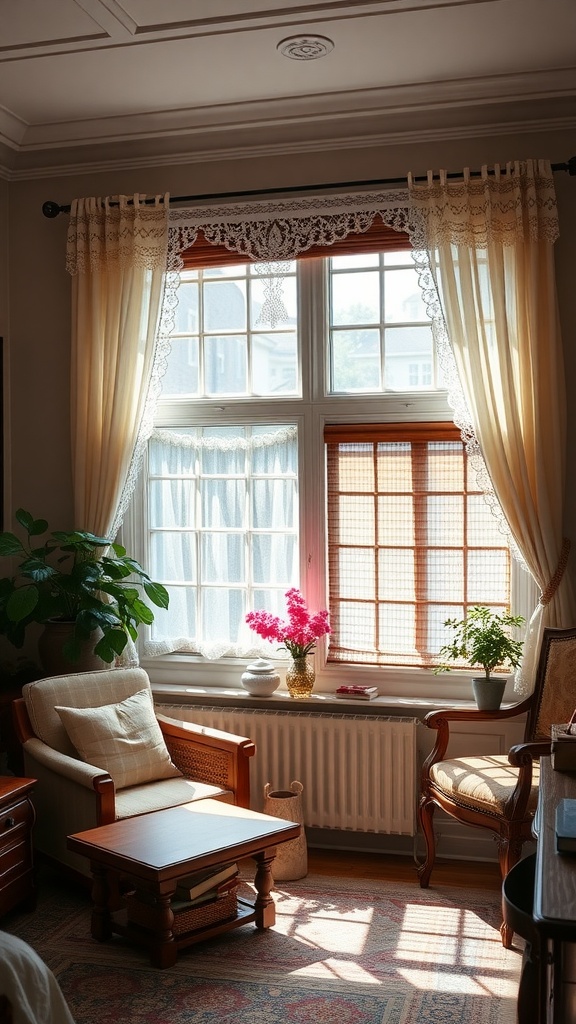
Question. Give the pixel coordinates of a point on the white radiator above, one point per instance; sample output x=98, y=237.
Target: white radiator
x=358, y=772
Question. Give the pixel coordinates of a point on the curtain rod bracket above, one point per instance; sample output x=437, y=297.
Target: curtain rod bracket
x=51, y=209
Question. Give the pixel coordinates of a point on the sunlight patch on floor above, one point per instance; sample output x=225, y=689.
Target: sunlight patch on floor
x=345, y=933
x=462, y=984
x=448, y=936
x=339, y=970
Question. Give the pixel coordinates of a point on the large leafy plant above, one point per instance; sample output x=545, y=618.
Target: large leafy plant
x=482, y=638
x=75, y=577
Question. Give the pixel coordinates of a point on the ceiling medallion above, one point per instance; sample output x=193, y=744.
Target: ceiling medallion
x=305, y=47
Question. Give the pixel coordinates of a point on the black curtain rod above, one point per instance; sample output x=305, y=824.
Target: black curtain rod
x=51, y=209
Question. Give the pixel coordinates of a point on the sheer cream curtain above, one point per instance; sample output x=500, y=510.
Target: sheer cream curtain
x=489, y=243
x=116, y=254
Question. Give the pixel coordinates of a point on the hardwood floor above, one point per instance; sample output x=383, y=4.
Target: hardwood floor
x=403, y=869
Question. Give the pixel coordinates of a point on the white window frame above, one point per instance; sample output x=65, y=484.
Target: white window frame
x=310, y=413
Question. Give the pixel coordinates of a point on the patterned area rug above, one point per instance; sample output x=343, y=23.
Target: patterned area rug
x=343, y=951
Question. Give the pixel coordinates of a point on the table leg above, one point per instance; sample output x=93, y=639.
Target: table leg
x=163, y=949
x=101, y=922
x=264, y=903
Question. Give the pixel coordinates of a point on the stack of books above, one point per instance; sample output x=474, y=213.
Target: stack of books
x=357, y=692
x=203, y=886
x=205, y=898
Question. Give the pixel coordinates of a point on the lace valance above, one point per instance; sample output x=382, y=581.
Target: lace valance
x=271, y=232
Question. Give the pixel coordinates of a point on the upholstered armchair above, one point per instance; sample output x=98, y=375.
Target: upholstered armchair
x=99, y=752
x=497, y=791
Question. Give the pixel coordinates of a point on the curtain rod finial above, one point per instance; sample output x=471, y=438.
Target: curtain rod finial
x=50, y=209
x=572, y=166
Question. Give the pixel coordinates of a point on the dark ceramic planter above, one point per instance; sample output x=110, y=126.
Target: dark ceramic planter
x=488, y=693
x=52, y=658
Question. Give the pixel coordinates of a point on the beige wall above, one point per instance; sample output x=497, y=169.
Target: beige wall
x=39, y=290
x=4, y=325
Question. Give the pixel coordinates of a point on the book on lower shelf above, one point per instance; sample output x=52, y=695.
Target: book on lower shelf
x=357, y=692
x=205, y=883
x=566, y=826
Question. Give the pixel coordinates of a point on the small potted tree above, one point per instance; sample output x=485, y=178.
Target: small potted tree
x=85, y=590
x=482, y=638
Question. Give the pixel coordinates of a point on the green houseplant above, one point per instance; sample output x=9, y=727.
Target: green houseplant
x=482, y=638
x=78, y=578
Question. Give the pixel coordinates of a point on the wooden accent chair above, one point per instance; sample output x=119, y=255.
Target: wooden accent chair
x=499, y=792
x=72, y=795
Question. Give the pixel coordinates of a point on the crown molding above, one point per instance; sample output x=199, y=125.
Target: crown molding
x=185, y=158
x=306, y=111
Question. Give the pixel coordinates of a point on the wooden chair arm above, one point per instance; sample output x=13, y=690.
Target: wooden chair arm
x=526, y=753
x=210, y=755
x=522, y=756
x=440, y=720
x=22, y=725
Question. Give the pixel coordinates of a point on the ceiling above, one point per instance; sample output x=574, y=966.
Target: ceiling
x=95, y=83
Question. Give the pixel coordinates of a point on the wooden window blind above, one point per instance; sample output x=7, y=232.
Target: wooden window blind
x=378, y=238
x=411, y=542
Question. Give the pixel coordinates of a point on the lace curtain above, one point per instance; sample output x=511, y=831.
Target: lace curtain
x=486, y=260
x=176, y=459
x=116, y=253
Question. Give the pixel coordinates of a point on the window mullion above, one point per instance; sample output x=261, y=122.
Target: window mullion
x=419, y=462
x=377, y=547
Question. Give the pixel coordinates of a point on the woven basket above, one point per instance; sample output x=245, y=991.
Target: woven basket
x=187, y=919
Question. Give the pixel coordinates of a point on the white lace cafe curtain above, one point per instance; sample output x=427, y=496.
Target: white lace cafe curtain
x=487, y=250
x=175, y=455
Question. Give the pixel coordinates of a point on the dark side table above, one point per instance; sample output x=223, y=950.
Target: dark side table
x=17, y=816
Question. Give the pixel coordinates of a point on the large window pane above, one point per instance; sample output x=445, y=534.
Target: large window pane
x=224, y=342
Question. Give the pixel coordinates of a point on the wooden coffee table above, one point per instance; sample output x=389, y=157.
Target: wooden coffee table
x=151, y=852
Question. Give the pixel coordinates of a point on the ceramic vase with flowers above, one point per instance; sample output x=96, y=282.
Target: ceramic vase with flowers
x=297, y=634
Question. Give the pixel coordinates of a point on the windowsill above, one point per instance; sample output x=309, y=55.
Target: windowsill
x=182, y=679
x=165, y=693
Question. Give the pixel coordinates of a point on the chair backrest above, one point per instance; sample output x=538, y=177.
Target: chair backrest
x=554, y=697
x=78, y=690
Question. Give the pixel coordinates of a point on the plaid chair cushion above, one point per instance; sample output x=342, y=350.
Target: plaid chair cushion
x=123, y=739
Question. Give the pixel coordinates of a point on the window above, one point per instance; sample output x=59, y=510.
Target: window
x=411, y=542
x=221, y=347
x=256, y=482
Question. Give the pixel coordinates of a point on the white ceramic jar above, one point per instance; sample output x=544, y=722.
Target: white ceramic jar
x=260, y=678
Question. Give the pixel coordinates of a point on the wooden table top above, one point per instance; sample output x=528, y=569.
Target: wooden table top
x=555, y=886
x=163, y=845
x=12, y=786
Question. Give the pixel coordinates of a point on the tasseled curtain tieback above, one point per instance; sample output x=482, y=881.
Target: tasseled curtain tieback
x=554, y=583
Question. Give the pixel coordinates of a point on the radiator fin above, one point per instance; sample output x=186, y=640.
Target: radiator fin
x=358, y=772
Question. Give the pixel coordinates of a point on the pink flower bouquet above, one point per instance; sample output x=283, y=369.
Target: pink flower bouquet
x=299, y=633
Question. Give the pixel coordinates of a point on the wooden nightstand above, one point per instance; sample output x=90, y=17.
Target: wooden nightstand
x=16, y=821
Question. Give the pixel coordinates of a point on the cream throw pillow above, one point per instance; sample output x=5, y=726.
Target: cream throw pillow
x=123, y=739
